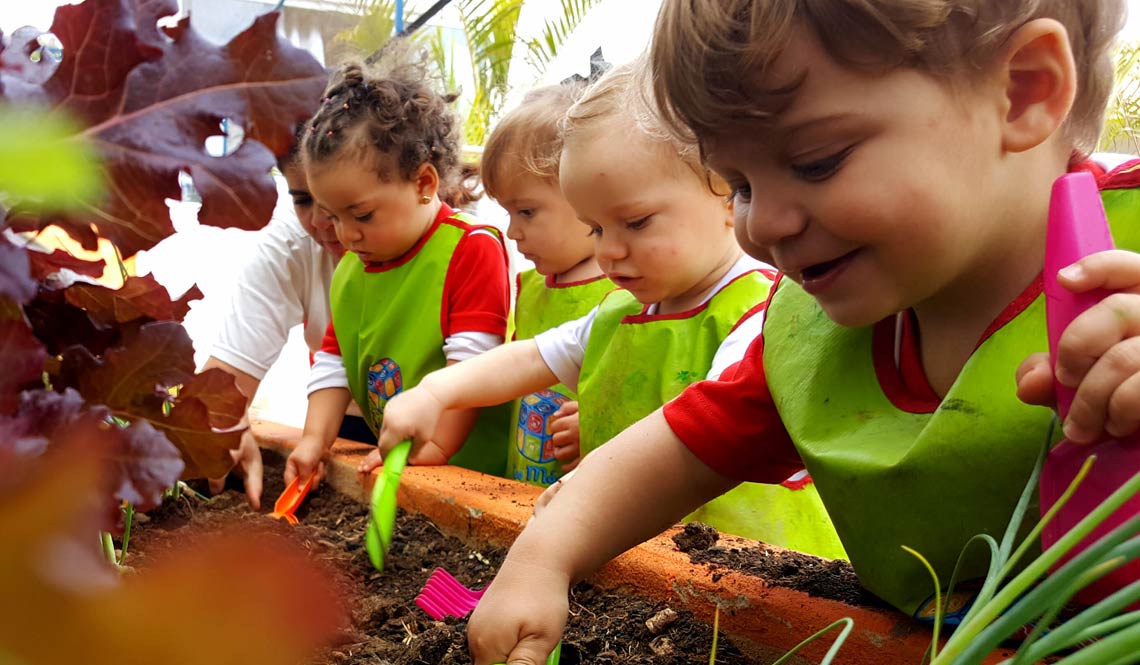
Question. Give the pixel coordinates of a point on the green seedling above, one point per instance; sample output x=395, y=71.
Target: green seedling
x=382, y=520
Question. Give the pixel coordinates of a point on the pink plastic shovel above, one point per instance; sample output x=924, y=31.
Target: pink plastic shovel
x=444, y=596
x=1078, y=227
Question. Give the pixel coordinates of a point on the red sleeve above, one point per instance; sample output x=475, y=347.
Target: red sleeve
x=329, y=343
x=476, y=291
x=731, y=423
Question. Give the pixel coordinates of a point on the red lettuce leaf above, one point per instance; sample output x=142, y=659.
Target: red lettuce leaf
x=215, y=388
x=14, y=270
x=149, y=102
x=44, y=264
x=22, y=357
x=151, y=360
x=59, y=325
x=138, y=298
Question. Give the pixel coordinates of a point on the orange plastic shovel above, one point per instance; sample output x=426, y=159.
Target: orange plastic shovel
x=291, y=498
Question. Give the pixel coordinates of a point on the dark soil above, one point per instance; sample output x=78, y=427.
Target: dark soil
x=388, y=628
x=824, y=578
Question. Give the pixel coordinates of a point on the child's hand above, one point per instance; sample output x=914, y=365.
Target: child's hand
x=247, y=459
x=305, y=460
x=564, y=428
x=1098, y=354
x=411, y=415
x=549, y=493
x=521, y=617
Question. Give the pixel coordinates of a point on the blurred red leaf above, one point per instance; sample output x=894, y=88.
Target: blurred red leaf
x=15, y=282
x=22, y=357
x=139, y=462
x=146, y=465
x=216, y=389
x=149, y=102
x=138, y=298
x=229, y=599
x=60, y=325
x=44, y=264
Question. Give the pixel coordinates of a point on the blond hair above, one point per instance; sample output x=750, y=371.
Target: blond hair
x=528, y=138
x=623, y=94
x=700, y=49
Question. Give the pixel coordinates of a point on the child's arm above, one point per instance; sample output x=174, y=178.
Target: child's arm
x=490, y=378
x=1098, y=354
x=633, y=488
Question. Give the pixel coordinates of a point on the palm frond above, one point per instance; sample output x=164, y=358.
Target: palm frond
x=1122, y=120
x=542, y=50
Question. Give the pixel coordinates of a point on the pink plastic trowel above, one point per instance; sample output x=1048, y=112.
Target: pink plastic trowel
x=1078, y=227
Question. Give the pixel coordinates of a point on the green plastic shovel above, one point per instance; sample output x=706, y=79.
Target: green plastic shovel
x=554, y=656
x=382, y=521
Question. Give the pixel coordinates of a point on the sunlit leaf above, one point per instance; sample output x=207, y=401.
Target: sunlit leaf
x=138, y=298
x=48, y=263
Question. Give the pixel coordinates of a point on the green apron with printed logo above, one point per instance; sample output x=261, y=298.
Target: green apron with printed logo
x=890, y=477
x=388, y=326
x=540, y=307
x=634, y=364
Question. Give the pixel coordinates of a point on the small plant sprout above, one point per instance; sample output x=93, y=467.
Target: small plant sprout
x=998, y=613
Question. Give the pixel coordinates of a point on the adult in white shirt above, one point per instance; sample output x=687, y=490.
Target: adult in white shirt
x=285, y=283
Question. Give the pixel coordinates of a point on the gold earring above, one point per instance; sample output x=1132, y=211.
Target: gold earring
x=425, y=199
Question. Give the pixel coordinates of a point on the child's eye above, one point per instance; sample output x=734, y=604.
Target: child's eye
x=363, y=218
x=637, y=224
x=822, y=169
x=526, y=212
x=302, y=201
x=742, y=193
x=595, y=230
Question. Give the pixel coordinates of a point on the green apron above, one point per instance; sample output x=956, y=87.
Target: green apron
x=634, y=364
x=890, y=477
x=539, y=307
x=387, y=323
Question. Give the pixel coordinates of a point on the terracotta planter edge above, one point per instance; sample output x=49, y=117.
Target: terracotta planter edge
x=765, y=620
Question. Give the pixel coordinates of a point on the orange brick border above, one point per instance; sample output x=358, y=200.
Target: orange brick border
x=765, y=620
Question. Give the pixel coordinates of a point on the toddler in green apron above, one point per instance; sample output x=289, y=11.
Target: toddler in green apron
x=520, y=171
x=894, y=160
x=420, y=286
x=689, y=305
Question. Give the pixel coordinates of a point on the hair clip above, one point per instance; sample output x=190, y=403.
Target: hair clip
x=329, y=133
x=346, y=106
x=598, y=67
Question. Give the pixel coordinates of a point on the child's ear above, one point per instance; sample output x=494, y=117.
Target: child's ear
x=1040, y=83
x=426, y=180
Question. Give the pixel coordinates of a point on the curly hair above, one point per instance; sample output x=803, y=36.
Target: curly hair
x=394, y=120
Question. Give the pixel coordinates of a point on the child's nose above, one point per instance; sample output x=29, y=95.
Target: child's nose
x=610, y=247
x=769, y=220
x=319, y=220
x=514, y=230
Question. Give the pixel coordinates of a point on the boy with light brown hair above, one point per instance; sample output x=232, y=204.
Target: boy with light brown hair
x=902, y=153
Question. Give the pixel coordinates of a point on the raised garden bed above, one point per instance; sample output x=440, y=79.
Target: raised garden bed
x=769, y=598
